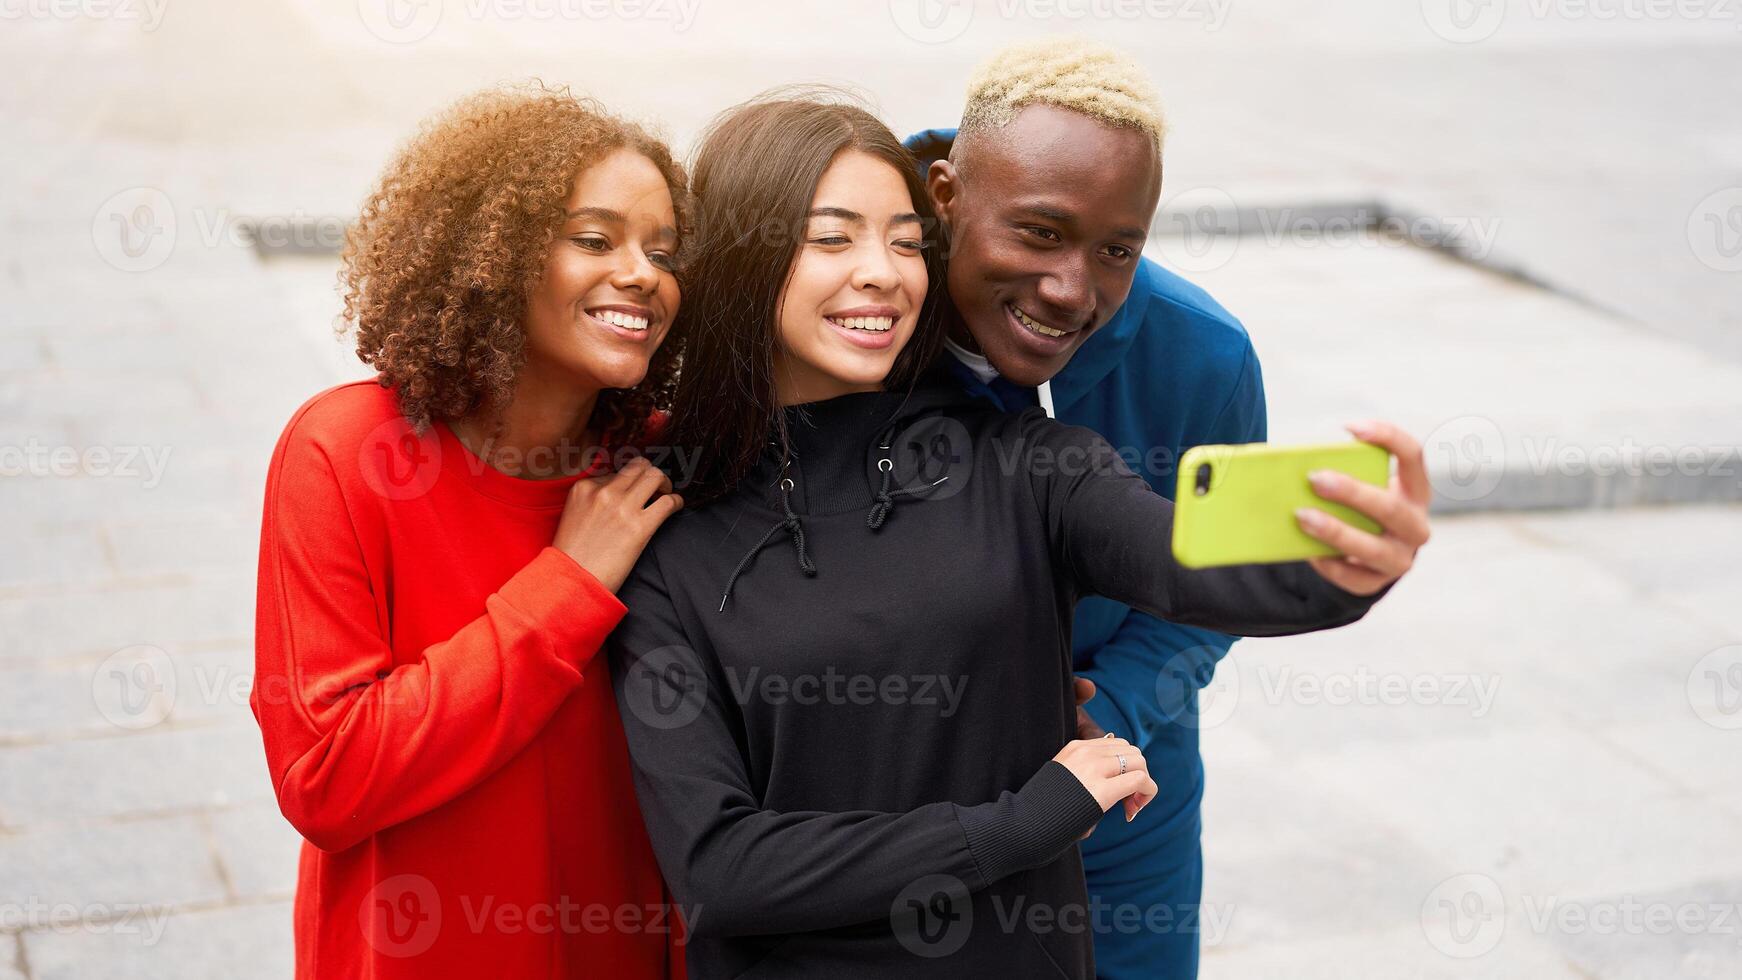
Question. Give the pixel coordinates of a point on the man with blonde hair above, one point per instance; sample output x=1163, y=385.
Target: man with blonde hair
x=1047, y=191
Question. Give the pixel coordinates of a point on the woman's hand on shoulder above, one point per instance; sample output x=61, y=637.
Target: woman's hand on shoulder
x=609, y=519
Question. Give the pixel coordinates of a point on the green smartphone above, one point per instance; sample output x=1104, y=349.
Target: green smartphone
x=1234, y=505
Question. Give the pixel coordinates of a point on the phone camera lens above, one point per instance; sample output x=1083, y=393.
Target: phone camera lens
x=1203, y=484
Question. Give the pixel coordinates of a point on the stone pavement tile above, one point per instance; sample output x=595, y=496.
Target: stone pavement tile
x=83, y=395
x=1392, y=953
x=93, y=622
x=144, y=773
x=1703, y=760
x=41, y=556
x=219, y=944
x=1557, y=810
x=20, y=354
x=259, y=850
x=11, y=956
x=211, y=547
x=1665, y=550
x=1694, y=931
x=98, y=866
x=125, y=693
x=1275, y=846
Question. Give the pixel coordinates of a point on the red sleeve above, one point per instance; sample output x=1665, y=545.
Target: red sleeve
x=355, y=744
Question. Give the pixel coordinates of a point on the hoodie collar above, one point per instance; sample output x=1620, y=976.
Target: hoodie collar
x=835, y=444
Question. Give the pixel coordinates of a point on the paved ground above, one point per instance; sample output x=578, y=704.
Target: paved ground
x=1524, y=764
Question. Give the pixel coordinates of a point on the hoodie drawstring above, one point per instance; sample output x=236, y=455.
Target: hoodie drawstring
x=885, y=497
x=792, y=525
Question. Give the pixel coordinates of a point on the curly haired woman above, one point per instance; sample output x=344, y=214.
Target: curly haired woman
x=441, y=550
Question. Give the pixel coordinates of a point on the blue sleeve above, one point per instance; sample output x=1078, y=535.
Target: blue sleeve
x=1146, y=674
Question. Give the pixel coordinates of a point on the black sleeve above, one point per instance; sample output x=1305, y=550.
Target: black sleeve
x=1114, y=535
x=738, y=868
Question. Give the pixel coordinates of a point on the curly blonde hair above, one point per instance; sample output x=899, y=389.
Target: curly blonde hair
x=439, y=266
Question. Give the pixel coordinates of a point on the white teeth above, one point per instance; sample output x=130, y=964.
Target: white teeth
x=874, y=323
x=1037, y=326
x=618, y=318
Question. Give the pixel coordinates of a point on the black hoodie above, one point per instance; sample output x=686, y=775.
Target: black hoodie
x=843, y=686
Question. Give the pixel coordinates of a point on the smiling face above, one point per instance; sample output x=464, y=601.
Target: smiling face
x=1046, y=227
x=857, y=284
x=608, y=293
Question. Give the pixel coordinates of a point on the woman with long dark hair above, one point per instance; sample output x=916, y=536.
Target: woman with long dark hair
x=846, y=678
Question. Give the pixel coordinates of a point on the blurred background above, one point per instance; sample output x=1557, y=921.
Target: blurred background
x=1514, y=227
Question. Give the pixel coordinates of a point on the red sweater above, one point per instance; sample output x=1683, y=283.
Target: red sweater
x=438, y=724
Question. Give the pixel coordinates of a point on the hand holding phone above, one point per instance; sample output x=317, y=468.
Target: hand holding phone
x=1235, y=505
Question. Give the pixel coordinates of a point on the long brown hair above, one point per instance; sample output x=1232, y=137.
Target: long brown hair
x=754, y=176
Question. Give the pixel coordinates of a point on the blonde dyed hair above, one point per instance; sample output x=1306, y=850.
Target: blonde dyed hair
x=1068, y=73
